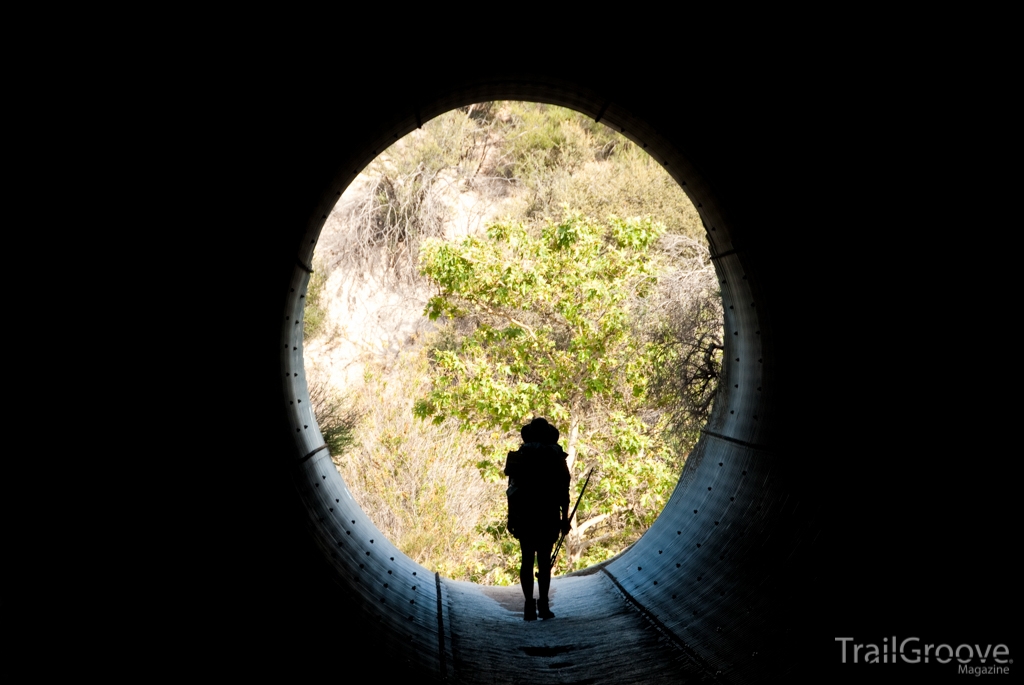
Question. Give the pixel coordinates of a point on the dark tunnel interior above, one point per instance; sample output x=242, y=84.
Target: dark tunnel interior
x=702, y=578
x=788, y=527
x=683, y=575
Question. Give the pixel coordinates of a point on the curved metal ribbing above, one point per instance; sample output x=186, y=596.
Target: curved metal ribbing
x=713, y=569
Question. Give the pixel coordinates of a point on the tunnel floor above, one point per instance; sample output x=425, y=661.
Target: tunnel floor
x=595, y=637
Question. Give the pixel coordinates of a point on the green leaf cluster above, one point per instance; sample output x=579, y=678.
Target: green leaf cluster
x=550, y=316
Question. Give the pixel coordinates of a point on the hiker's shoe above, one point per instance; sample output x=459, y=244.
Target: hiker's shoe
x=542, y=609
x=530, y=611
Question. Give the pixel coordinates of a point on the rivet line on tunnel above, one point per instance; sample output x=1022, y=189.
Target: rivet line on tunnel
x=661, y=627
x=305, y=458
x=440, y=628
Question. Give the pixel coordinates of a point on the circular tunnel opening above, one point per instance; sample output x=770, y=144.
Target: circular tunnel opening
x=370, y=353
x=696, y=594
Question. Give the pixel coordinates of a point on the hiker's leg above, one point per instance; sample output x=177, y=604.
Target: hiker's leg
x=544, y=569
x=544, y=579
x=526, y=568
x=528, y=548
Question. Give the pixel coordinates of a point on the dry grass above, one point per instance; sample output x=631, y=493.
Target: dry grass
x=417, y=481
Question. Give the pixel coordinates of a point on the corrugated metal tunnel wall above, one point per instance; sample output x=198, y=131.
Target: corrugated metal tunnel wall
x=714, y=567
x=874, y=402
x=883, y=315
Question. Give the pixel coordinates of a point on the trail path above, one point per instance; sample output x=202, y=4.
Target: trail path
x=498, y=646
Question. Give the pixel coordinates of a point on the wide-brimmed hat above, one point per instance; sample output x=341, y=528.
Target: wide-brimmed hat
x=539, y=430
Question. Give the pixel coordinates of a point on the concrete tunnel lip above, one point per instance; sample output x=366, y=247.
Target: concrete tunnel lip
x=408, y=598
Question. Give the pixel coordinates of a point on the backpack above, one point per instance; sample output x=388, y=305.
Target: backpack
x=533, y=483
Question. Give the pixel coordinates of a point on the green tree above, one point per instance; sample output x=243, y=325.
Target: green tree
x=545, y=316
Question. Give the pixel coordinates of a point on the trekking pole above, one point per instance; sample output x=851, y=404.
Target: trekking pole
x=584, y=489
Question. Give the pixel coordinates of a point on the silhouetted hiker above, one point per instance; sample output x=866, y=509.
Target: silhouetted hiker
x=538, y=507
